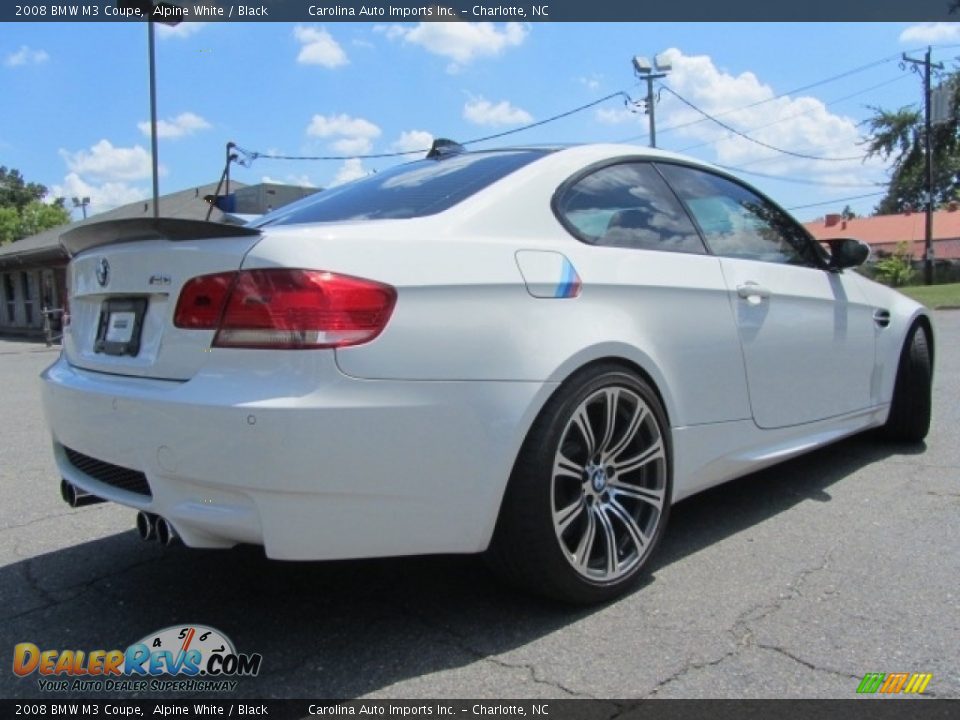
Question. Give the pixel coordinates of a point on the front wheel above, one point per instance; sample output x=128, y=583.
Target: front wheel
x=590, y=493
x=910, y=409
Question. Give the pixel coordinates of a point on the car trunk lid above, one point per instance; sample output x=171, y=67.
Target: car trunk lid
x=125, y=278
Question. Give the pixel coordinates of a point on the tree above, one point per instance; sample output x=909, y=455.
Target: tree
x=897, y=135
x=847, y=213
x=22, y=210
x=896, y=270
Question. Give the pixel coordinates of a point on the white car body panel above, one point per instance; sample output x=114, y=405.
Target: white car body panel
x=404, y=445
x=808, y=347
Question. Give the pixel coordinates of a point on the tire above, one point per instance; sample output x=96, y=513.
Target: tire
x=909, y=419
x=588, y=500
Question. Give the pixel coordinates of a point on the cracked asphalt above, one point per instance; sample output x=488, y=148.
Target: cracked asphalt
x=792, y=582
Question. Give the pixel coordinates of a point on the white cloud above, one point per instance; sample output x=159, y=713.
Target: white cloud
x=102, y=197
x=103, y=161
x=185, y=123
x=483, y=112
x=348, y=135
x=317, y=47
x=352, y=146
x=933, y=32
x=618, y=115
x=183, y=30
x=350, y=170
x=26, y=56
x=592, y=82
x=461, y=42
x=800, y=124
x=413, y=140
x=301, y=180
x=345, y=125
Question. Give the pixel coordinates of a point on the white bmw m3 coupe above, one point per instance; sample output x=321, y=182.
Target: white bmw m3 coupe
x=528, y=352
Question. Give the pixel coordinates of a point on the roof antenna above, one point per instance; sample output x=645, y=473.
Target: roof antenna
x=442, y=147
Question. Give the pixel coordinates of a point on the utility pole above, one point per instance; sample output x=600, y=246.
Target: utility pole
x=927, y=66
x=645, y=70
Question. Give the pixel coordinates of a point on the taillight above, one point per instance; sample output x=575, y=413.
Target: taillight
x=201, y=301
x=281, y=308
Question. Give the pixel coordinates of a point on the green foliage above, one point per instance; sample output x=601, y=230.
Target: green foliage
x=15, y=192
x=897, y=135
x=896, y=270
x=22, y=210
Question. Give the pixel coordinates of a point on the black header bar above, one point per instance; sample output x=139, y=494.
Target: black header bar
x=480, y=10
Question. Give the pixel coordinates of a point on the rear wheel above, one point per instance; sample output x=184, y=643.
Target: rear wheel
x=589, y=496
x=909, y=419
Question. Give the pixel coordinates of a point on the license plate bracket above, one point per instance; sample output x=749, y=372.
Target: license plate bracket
x=120, y=326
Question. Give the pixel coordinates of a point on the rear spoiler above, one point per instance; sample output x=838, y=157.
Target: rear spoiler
x=108, y=232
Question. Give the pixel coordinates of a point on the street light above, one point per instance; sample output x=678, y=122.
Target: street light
x=82, y=204
x=650, y=72
x=146, y=8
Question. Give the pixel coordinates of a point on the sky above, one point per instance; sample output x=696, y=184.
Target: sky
x=76, y=100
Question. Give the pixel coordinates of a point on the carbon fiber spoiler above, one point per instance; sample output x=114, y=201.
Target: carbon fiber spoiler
x=109, y=232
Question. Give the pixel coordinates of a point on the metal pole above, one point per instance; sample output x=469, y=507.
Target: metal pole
x=928, y=155
x=153, y=120
x=650, y=106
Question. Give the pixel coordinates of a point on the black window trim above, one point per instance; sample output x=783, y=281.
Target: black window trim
x=821, y=263
x=655, y=161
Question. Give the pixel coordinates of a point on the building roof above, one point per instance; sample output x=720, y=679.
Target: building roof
x=885, y=232
x=188, y=204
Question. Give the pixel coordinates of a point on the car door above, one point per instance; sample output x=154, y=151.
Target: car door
x=649, y=260
x=807, y=333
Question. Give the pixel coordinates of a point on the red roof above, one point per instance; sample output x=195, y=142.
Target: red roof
x=884, y=232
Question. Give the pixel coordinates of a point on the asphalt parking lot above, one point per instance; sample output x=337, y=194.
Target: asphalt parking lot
x=792, y=582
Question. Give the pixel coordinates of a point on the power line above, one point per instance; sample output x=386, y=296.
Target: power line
x=732, y=129
x=799, y=181
x=899, y=78
x=254, y=155
x=835, y=201
x=809, y=86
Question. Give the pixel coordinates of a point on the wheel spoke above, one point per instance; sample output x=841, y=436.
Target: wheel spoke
x=567, y=467
x=563, y=518
x=635, y=462
x=639, y=413
x=582, y=422
x=637, y=536
x=581, y=556
x=613, y=562
x=612, y=399
x=647, y=495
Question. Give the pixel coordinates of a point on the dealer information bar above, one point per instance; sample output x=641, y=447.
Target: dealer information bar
x=418, y=10
x=476, y=709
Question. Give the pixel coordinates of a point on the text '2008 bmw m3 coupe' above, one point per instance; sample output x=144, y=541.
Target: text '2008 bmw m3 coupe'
x=528, y=352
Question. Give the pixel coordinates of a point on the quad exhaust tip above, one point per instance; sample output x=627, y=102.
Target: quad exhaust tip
x=166, y=533
x=146, y=526
x=75, y=497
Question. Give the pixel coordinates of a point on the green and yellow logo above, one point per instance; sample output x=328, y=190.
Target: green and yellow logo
x=894, y=683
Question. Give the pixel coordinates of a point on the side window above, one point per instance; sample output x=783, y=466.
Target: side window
x=628, y=205
x=737, y=222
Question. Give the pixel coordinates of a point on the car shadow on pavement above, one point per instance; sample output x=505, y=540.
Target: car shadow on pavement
x=343, y=629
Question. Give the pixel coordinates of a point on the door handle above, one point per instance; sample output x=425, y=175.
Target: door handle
x=753, y=293
x=881, y=318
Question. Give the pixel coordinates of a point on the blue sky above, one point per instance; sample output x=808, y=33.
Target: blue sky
x=76, y=97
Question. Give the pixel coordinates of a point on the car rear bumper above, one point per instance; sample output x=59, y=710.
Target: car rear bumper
x=323, y=468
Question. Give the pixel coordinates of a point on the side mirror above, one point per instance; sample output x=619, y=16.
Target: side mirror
x=847, y=252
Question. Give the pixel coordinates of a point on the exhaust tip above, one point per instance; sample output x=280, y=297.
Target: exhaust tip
x=166, y=533
x=75, y=497
x=146, y=526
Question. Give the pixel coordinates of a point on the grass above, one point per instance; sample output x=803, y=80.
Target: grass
x=935, y=296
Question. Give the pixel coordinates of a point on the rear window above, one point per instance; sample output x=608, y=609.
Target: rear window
x=424, y=187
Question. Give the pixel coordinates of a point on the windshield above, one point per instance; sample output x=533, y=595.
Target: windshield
x=424, y=187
